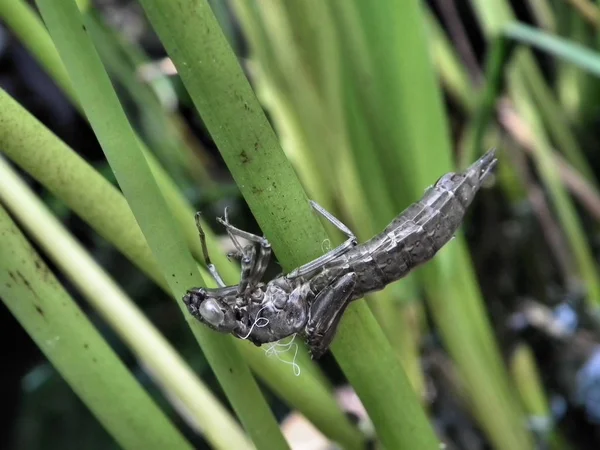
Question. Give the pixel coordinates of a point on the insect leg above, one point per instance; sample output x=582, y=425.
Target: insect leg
x=332, y=219
x=247, y=261
x=260, y=267
x=316, y=264
x=326, y=312
x=210, y=266
x=253, y=265
x=257, y=263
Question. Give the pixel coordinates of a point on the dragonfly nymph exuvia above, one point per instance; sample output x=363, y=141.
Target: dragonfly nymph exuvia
x=311, y=300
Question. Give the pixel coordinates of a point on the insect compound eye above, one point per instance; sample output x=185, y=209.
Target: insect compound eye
x=211, y=312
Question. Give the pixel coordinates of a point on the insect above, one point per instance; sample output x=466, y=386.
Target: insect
x=311, y=299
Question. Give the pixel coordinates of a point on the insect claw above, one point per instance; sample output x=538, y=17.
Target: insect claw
x=226, y=214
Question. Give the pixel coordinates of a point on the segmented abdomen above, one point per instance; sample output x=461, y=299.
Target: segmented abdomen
x=422, y=229
x=414, y=236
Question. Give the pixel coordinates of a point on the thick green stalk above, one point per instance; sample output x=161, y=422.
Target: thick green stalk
x=235, y=119
x=236, y=122
x=99, y=101
x=529, y=384
x=167, y=367
x=76, y=349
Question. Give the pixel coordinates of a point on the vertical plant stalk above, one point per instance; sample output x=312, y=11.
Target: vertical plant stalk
x=102, y=108
x=76, y=349
x=528, y=382
x=235, y=119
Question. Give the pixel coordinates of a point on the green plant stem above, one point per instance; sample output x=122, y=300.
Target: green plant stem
x=76, y=349
x=135, y=178
x=167, y=367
